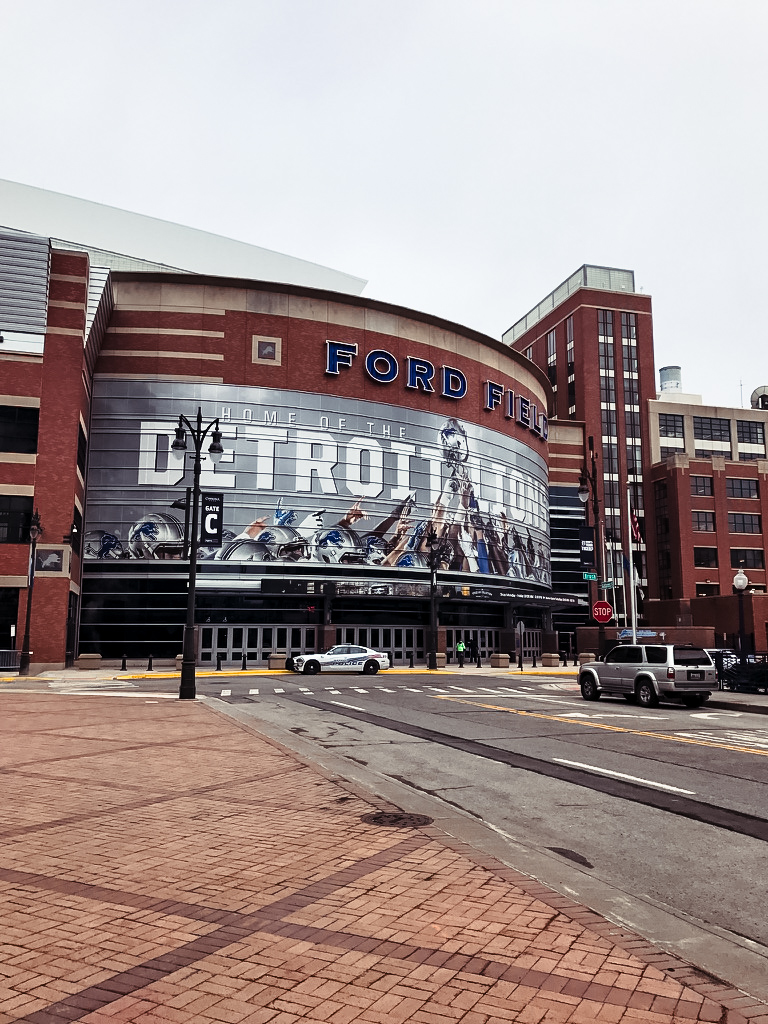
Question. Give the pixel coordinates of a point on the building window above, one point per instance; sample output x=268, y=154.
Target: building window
x=15, y=517
x=608, y=418
x=750, y=432
x=631, y=394
x=528, y=353
x=665, y=453
x=711, y=428
x=632, y=423
x=18, y=429
x=709, y=453
x=742, y=522
x=703, y=522
x=749, y=456
x=707, y=589
x=737, y=487
x=701, y=486
x=629, y=341
x=552, y=358
x=670, y=425
x=634, y=458
x=82, y=449
x=605, y=354
x=748, y=558
x=607, y=390
x=705, y=558
x=569, y=344
x=605, y=323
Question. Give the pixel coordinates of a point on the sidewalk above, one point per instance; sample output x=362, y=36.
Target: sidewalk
x=164, y=863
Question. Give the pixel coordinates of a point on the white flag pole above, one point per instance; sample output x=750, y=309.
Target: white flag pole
x=631, y=567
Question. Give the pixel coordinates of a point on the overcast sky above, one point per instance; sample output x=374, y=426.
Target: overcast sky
x=464, y=157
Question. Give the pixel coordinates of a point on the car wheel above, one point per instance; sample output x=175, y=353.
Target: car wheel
x=311, y=668
x=694, y=700
x=589, y=690
x=370, y=668
x=646, y=695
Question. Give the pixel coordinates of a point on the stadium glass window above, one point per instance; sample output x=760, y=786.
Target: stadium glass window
x=705, y=558
x=747, y=558
x=707, y=590
x=711, y=428
x=703, y=522
x=750, y=432
x=737, y=487
x=15, y=517
x=670, y=425
x=18, y=429
x=742, y=522
x=701, y=486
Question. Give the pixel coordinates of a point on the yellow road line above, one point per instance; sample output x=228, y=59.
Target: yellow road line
x=609, y=728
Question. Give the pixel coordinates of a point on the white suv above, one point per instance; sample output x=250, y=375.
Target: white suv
x=648, y=672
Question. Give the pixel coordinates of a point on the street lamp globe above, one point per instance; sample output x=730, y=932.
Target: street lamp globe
x=740, y=581
x=583, y=491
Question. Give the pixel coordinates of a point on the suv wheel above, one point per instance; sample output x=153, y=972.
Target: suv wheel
x=311, y=668
x=370, y=668
x=589, y=690
x=646, y=695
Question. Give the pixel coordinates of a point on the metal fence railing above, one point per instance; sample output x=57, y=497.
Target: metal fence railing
x=9, y=659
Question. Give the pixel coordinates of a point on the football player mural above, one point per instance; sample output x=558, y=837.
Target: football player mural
x=463, y=531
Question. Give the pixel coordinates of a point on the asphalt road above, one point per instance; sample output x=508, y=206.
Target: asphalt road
x=665, y=808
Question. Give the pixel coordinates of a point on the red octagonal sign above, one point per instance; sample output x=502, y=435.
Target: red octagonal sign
x=602, y=611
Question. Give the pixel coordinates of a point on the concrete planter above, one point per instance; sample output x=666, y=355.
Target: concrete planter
x=550, y=660
x=499, y=661
x=276, y=661
x=586, y=656
x=88, y=661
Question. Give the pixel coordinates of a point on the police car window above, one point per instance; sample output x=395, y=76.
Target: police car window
x=357, y=650
x=338, y=650
x=656, y=655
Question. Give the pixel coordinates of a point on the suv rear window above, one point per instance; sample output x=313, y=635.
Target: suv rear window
x=691, y=656
x=656, y=655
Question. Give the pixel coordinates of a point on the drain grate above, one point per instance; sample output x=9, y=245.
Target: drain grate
x=396, y=819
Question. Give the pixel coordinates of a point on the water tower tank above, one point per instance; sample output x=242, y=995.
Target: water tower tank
x=759, y=398
x=671, y=379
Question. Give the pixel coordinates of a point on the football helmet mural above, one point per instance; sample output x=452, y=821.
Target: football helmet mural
x=157, y=535
x=338, y=544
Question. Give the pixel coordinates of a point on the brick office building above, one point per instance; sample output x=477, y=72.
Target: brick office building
x=593, y=336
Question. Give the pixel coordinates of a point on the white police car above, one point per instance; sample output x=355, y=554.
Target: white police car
x=342, y=658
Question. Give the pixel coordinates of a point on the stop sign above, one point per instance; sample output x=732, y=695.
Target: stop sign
x=602, y=611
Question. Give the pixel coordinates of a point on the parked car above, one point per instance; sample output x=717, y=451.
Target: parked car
x=647, y=672
x=342, y=658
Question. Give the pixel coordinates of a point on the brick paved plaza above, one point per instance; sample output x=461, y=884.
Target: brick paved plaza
x=163, y=863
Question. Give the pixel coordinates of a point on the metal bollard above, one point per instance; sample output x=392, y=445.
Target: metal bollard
x=244, y=665
x=520, y=660
x=124, y=664
x=149, y=663
x=218, y=663
x=534, y=660
x=410, y=660
x=479, y=662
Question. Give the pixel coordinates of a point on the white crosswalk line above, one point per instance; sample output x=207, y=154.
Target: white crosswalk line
x=278, y=690
x=226, y=693
x=359, y=689
x=253, y=691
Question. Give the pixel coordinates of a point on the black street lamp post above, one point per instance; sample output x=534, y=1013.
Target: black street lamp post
x=435, y=548
x=215, y=450
x=35, y=531
x=740, y=584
